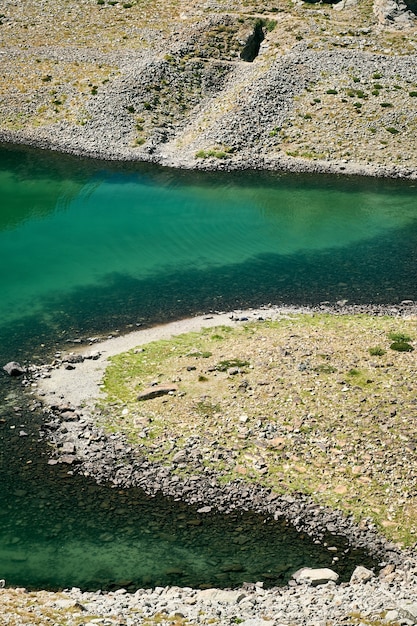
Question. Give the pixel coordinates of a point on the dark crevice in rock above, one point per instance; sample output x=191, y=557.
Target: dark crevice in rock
x=253, y=44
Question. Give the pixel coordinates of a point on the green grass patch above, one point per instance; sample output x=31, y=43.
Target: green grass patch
x=399, y=336
x=377, y=351
x=401, y=346
x=213, y=153
x=223, y=366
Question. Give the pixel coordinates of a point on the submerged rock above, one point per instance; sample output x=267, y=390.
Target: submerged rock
x=13, y=368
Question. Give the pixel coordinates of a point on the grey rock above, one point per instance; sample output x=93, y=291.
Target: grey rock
x=205, y=509
x=409, y=611
x=13, y=368
x=68, y=448
x=361, y=575
x=311, y=576
x=394, y=13
x=156, y=391
x=220, y=596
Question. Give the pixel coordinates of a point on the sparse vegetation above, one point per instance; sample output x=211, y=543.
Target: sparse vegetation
x=311, y=375
x=377, y=351
x=213, y=153
x=401, y=346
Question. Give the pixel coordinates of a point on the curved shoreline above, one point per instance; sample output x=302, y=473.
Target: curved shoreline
x=70, y=388
x=389, y=596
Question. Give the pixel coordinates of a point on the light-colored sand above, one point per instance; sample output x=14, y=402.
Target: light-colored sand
x=81, y=386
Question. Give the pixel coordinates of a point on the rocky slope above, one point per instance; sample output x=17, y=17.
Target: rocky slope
x=216, y=85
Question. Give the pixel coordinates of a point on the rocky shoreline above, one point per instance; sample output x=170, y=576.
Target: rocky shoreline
x=388, y=596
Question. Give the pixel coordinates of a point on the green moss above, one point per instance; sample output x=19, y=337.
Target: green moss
x=198, y=354
x=223, y=366
x=401, y=346
x=325, y=369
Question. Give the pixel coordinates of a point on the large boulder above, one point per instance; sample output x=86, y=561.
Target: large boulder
x=156, y=391
x=14, y=369
x=314, y=577
x=361, y=575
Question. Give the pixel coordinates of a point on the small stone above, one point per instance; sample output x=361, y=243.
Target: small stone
x=68, y=459
x=361, y=575
x=68, y=447
x=205, y=509
x=387, y=570
x=391, y=616
x=408, y=611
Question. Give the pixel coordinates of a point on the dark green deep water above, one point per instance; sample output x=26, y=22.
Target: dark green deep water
x=88, y=247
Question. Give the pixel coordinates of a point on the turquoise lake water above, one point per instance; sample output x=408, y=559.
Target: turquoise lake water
x=88, y=247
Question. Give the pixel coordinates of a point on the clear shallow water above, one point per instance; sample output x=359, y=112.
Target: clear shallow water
x=59, y=530
x=86, y=248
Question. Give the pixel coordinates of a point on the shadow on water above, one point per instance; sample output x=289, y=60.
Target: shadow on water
x=380, y=271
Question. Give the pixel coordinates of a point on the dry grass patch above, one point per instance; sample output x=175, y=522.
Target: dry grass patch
x=19, y=607
x=354, y=118
x=104, y=26
x=319, y=404
x=42, y=91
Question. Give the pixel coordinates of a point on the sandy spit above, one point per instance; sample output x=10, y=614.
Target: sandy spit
x=81, y=386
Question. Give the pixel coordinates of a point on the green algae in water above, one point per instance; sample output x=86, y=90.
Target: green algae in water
x=93, y=537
